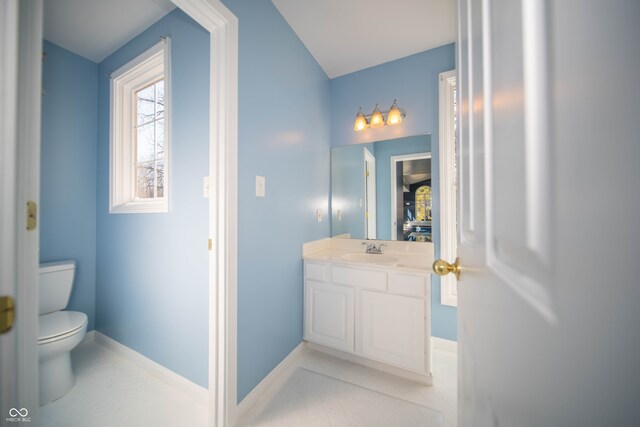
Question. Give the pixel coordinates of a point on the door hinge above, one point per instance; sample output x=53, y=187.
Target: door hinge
x=7, y=313
x=210, y=244
x=32, y=215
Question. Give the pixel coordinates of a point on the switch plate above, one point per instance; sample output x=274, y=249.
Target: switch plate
x=319, y=215
x=205, y=187
x=260, y=186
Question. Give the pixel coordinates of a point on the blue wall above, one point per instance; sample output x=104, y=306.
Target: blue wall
x=68, y=178
x=284, y=135
x=151, y=290
x=348, y=189
x=414, y=82
x=152, y=275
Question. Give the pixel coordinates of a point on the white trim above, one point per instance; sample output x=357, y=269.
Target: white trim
x=394, y=160
x=20, y=83
x=194, y=391
x=409, y=375
x=444, y=345
x=147, y=56
x=9, y=17
x=370, y=195
x=28, y=188
x=223, y=164
x=270, y=384
x=448, y=242
x=147, y=67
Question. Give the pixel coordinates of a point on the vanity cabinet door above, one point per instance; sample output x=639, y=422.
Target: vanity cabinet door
x=329, y=315
x=393, y=330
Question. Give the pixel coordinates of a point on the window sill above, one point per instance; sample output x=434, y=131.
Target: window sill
x=139, y=206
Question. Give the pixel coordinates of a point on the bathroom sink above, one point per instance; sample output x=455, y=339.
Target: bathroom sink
x=372, y=258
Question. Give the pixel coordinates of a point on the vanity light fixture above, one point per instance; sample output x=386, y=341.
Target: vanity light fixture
x=379, y=118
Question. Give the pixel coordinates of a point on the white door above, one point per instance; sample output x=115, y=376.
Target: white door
x=20, y=83
x=549, y=202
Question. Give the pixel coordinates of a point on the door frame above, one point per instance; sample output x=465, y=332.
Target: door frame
x=223, y=141
x=448, y=190
x=21, y=75
x=394, y=194
x=223, y=166
x=370, y=195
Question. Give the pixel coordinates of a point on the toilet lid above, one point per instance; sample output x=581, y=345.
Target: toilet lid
x=60, y=323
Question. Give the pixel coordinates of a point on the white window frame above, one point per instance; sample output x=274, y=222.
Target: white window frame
x=150, y=66
x=448, y=190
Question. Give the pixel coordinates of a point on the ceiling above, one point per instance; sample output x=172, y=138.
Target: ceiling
x=96, y=28
x=414, y=171
x=350, y=35
x=343, y=35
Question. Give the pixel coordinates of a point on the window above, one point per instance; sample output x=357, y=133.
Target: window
x=423, y=203
x=139, y=128
x=448, y=184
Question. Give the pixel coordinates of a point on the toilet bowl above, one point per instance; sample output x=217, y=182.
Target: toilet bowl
x=59, y=331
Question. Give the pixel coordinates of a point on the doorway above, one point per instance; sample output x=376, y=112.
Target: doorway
x=411, y=218
x=222, y=164
x=370, y=194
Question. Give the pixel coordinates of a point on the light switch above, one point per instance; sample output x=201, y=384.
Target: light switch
x=319, y=215
x=260, y=186
x=205, y=187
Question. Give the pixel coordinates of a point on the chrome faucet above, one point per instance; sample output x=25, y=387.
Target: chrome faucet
x=373, y=249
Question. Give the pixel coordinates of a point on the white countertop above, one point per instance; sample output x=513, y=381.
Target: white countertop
x=407, y=256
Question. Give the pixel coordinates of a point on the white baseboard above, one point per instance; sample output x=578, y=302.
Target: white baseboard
x=271, y=383
x=195, y=391
x=444, y=345
x=88, y=337
x=409, y=375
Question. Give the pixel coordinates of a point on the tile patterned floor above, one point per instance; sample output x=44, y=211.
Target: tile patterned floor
x=310, y=399
x=442, y=396
x=111, y=392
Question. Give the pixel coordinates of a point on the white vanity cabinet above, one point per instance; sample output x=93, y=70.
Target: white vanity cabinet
x=329, y=315
x=392, y=329
x=373, y=313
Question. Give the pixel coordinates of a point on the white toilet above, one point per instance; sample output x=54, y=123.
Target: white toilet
x=59, y=331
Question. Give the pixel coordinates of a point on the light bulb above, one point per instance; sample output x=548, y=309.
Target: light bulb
x=395, y=115
x=361, y=121
x=376, y=118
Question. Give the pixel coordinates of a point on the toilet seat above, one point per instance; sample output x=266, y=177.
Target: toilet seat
x=60, y=325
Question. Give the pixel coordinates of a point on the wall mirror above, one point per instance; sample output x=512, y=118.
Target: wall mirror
x=382, y=190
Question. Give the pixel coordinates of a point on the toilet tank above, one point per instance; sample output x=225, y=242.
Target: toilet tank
x=55, y=281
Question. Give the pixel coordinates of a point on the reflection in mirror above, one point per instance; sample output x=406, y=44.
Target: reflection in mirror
x=382, y=190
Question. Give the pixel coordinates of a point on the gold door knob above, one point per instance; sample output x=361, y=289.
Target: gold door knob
x=442, y=268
